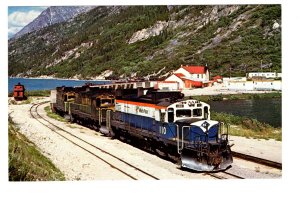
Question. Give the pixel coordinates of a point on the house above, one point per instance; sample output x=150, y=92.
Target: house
x=190, y=76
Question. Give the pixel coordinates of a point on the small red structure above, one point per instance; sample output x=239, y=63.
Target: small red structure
x=218, y=79
x=19, y=92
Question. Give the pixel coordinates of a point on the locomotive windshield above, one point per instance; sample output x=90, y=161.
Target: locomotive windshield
x=183, y=113
x=106, y=101
x=71, y=97
x=197, y=112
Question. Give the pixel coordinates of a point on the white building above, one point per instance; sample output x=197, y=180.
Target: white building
x=190, y=76
x=264, y=74
x=254, y=85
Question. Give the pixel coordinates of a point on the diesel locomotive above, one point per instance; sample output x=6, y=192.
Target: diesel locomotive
x=159, y=121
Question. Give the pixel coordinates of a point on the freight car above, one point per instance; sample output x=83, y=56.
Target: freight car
x=159, y=121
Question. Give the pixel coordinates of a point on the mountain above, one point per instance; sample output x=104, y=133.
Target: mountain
x=52, y=15
x=152, y=41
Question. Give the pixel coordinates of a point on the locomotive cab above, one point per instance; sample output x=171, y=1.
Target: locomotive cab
x=187, y=109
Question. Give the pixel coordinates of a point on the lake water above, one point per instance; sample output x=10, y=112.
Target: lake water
x=47, y=84
x=264, y=110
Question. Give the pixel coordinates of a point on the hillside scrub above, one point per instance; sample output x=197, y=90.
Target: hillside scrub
x=26, y=163
x=230, y=43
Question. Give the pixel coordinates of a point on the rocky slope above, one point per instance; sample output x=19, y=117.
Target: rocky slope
x=151, y=41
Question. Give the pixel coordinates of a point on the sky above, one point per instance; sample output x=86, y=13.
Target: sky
x=20, y=16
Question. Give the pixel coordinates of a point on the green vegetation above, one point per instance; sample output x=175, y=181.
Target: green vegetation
x=247, y=127
x=54, y=115
x=38, y=93
x=242, y=50
x=26, y=163
x=27, y=101
x=222, y=97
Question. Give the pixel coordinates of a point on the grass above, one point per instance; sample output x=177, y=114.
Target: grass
x=26, y=163
x=27, y=101
x=36, y=93
x=248, y=127
x=53, y=115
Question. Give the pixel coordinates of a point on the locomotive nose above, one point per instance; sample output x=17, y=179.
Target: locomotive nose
x=207, y=151
x=190, y=162
x=202, y=164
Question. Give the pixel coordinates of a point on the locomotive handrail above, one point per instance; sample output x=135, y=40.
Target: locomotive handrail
x=222, y=127
x=178, y=149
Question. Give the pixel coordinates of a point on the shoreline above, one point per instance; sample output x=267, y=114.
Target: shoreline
x=214, y=90
x=53, y=78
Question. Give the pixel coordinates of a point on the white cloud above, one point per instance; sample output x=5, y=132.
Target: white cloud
x=22, y=18
x=14, y=29
x=17, y=20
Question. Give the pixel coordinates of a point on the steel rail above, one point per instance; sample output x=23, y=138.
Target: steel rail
x=257, y=160
x=111, y=165
x=218, y=175
x=234, y=175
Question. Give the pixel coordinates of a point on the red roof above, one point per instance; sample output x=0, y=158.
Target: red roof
x=179, y=75
x=217, y=77
x=195, y=69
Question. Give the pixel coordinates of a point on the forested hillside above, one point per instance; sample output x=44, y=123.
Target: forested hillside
x=140, y=41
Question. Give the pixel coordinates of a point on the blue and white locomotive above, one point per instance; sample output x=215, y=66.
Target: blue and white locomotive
x=178, y=128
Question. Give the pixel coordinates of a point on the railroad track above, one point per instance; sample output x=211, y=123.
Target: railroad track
x=225, y=175
x=86, y=147
x=132, y=171
x=261, y=161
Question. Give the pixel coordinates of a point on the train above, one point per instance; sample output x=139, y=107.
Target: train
x=159, y=121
